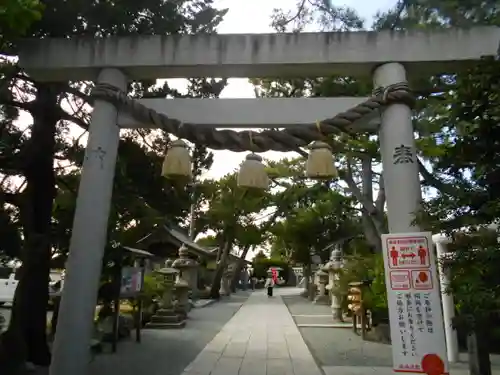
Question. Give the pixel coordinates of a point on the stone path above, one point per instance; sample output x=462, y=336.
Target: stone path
x=168, y=352
x=261, y=339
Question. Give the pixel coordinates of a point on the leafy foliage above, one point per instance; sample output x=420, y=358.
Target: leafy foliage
x=39, y=197
x=16, y=16
x=456, y=128
x=314, y=214
x=474, y=282
x=366, y=267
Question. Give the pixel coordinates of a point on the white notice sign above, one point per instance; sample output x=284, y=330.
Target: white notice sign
x=417, y=330
x=131, y=280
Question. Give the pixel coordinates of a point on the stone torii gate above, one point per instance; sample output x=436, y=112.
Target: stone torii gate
x=112, y=62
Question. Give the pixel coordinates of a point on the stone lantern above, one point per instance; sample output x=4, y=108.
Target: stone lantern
x=188, y=269
x=322, y=280
x=181, y=287
x=333, y=267
x=227, y=276
x=166, y=317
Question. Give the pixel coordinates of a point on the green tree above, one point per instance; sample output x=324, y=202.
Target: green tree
x=307, y=231
x=457, y=124
x=16, y=16
x=474, y=283
x=229, y=215
x=208, y=241
x=34, y=157
x=466, y=172
x=313, y=214
x=436, y=135
x=356, y=158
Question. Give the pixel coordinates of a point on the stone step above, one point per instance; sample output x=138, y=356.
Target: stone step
x=159, y=325
x=166, y=319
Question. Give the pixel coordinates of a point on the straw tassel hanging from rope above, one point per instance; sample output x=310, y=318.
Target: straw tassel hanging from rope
x=252, y=173
x=320, y=162
x=177, y=162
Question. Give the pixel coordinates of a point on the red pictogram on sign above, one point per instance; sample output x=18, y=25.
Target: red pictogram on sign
x=394, y=256
x=422, y=254
x=421, y=279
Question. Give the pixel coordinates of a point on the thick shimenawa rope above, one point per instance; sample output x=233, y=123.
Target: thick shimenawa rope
x=288, y=139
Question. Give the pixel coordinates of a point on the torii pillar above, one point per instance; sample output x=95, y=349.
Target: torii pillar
x=71, y=350
x=399, y=160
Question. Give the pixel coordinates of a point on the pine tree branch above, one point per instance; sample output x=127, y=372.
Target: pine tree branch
x=435, y=182
x=63, y=115
x=281, y=24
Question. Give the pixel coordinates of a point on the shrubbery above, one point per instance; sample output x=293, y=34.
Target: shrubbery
x=361, y=268
x=152, y=290
x=475, y=284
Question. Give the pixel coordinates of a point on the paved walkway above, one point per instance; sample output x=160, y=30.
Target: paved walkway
x=168, y=352
x=260, y=339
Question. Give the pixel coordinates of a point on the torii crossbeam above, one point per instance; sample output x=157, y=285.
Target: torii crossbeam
x=386, y=56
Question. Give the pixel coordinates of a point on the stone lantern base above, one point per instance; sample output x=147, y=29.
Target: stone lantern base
x=322, y=300
x=166, y=319
x=322, y=297
x=181, y=304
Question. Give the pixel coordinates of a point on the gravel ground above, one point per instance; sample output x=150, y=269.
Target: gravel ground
x=335, y=346
x=340, y=346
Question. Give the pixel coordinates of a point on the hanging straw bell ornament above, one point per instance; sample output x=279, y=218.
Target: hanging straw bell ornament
x=177, y=162
x=253, y=173
x=320, y=163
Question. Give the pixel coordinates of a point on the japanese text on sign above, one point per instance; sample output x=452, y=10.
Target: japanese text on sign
x=417, y=331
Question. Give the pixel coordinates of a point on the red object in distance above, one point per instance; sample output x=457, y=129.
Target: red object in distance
x=275, y=275
x=432, y=364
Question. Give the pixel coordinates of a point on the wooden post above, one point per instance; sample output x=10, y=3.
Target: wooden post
x=117, y=282
x=138, y=323
x=356, y=306
x=116, y=322
x=362, y=314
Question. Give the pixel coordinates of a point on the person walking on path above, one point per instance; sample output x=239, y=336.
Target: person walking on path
x=251, y=278
x=269, y=285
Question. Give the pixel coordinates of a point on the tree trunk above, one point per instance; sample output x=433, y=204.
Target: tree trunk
x=370, y=231
x=29, y=311
x=372, y=212
x=368, y=217
x=239, y=267
x=478, y=349
x=221, y=248
x=219, y=272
